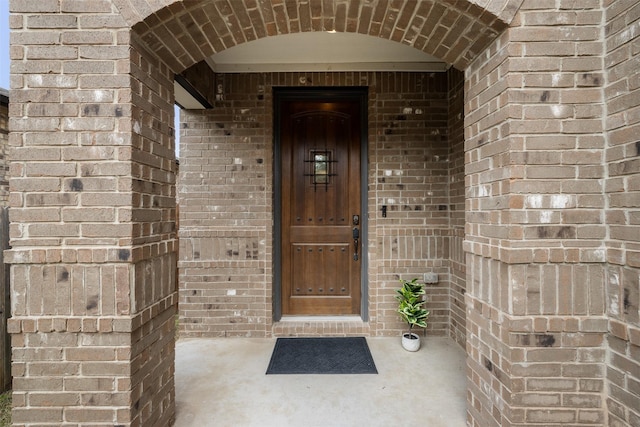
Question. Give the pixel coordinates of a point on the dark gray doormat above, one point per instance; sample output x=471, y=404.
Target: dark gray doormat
x=335, y=355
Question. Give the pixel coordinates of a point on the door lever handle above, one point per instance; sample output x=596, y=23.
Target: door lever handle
x=356, y=242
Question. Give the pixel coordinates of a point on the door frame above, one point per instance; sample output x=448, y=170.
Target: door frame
x=361, y=94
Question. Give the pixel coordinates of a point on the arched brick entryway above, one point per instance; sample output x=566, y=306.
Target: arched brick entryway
x=185, y=33
x=93, y=190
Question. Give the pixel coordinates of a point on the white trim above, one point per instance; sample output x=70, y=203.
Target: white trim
x=327, y=67
x=185, y=99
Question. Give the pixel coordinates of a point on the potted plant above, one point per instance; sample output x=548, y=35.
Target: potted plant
x=410, y=308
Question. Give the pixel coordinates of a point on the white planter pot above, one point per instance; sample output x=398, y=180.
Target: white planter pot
x=410, y=343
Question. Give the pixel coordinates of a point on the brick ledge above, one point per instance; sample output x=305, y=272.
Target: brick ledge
x=89, y=324
x=625, y=331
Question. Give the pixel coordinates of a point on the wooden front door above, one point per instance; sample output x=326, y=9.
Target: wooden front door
x=321, y=222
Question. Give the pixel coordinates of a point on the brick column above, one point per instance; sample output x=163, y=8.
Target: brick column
x=623, y=214
x=535, y=234
x=92, y=210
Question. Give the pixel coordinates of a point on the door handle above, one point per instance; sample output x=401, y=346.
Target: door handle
x=356, y=242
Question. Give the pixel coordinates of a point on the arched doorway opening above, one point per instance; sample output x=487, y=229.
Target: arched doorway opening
x=220, y=300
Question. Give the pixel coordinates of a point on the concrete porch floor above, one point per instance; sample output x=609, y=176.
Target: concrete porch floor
x=222, y=382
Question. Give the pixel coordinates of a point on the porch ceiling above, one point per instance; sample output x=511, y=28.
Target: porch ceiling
x=323, y=51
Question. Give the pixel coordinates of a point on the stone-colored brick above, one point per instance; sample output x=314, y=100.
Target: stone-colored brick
x=53, y=399
x=36, y=415
x=551, y=416
x=531, y=224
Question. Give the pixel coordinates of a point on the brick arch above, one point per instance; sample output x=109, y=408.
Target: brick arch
x=185, y=32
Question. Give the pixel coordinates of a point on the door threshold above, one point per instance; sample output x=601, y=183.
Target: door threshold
x=350, y=318
x=300, y=326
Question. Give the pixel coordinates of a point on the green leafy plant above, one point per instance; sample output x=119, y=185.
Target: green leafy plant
x=5, y=409
x=411, y=303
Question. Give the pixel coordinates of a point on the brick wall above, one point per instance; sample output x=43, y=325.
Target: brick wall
x=154, y=245
x=623, y=214
x=551, y=198
x=225, y=214
x=226, y=199
x=409, y=161
x=92, y=178
x=535, y=221
x=93, y=211
x=458, y=286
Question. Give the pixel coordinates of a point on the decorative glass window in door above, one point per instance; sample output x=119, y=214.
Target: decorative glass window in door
x=321, y=169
